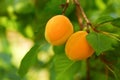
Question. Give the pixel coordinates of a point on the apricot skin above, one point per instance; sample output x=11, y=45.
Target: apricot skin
x=58, y=29
x=77, y=47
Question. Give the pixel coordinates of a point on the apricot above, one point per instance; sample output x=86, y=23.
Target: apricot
x=77, y=47
x=58, y=29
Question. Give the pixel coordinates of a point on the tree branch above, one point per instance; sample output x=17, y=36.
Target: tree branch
x=64, y=6
x=82, y=12
x=79, y=17
x=106, y=72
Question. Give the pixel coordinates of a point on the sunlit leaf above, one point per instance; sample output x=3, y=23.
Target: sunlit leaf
x=28, y=60
x=99, y=42
x=65, y=68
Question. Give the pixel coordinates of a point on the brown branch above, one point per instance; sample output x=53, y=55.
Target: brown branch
x=64, y=6
x=79, y=17
x=102, y=58
x=82, y=12
x=108, y=65
x=88, y=69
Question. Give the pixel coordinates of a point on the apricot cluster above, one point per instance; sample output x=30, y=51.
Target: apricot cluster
x=59, y=30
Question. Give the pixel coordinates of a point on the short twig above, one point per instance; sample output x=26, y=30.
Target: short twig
x=65, y=6
x=106, y=72
x=102, y=58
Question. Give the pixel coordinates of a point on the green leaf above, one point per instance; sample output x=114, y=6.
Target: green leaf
x=103, y=19
x=64, y=67
x=113, y=56
x=116, y=22
x=28, y=60
x=99, y=42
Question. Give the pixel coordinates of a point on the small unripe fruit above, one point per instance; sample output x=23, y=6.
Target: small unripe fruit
x=58, y=29
x=77, y=47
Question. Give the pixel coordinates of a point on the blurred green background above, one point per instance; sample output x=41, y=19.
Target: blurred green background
x=22, y=24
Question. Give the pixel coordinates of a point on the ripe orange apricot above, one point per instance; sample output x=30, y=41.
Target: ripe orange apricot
x=77, y=47
x=58, y=29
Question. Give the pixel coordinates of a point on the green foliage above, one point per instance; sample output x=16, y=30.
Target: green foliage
x=114, y=60
x=104, y=19
x=24, y=7
x=28, y=19
x=65, y=68
x=107, y=19
x=116, y=22
x=99, y=42
x=28, y=60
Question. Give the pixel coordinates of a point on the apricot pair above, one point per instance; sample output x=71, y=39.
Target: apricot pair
x=59, y=30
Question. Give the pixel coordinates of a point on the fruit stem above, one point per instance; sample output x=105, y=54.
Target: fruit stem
x=80, y=20
x=65, y=7
x=82, y=12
